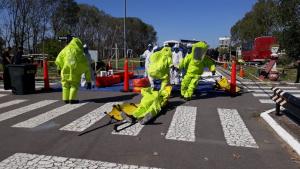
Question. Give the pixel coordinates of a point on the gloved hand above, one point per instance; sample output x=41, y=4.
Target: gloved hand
x=89, y=85
x=213, y=73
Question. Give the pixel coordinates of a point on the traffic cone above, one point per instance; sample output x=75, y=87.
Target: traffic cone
x=233, y=79
x=46, y=76
x=225, y=65
x=242, y=72
x=126, y=77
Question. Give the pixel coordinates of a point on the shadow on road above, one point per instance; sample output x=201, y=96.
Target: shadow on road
x=111, y=99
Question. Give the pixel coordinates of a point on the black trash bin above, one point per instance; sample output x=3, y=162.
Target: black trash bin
x=22, y=78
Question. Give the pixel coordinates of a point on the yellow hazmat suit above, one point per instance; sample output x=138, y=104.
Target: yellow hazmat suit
x=194, y=63
x=72, y=63
x=159, y=66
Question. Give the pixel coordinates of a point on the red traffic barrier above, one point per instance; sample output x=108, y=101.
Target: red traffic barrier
x=116, y=79
x=142, y=82
x=233, y=78
x=137, y=89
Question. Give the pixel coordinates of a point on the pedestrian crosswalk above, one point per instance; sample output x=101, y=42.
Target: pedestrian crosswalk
x=25, y=160
x=182, y=127
x=263, y=93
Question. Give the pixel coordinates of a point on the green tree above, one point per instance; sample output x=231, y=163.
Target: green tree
x=65, y=18
x=289, y=19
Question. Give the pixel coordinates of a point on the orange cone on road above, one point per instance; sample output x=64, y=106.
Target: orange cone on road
x=242, y=72
x=225, y=65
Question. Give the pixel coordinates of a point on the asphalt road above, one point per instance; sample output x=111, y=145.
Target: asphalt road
x=213, y=130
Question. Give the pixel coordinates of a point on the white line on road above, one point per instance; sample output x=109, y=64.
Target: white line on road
x=133, y=130
x=2, y=90
x=89, y=119
x=10, y=103
x=261, y=95
x=269, y=95
x=19, y=111
x=42, y=118
x=25, y=160
x=235, y=130
x=266, y=101
x=183, y=124
x=2, y=95
x=270, y=91
x=280, y=131
x=267, y=87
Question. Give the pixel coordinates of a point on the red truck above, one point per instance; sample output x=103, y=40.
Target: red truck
x=259, y=50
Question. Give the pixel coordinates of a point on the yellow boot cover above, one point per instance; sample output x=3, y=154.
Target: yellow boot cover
x=127, y=108
x=224, y=85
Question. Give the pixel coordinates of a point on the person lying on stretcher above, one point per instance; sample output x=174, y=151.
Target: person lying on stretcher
x=150, y=106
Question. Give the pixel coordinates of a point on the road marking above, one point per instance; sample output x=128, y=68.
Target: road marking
x=281, y=131
x=270, y=91
x=25, y=160
x=267, y=87
x=10, y=103
x=2, y=95
x=183, y=124
x=261, y=95
x=89, y=119
x=2, y=90
x=133, y=130
x=22, y=110
x=266, y=101
x=235, y=130
x=42, y=118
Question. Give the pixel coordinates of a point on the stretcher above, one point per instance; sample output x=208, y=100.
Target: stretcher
x=129, y=108
x=223, y=84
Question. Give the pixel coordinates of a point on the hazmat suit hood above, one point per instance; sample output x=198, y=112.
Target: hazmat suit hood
x=199, y=50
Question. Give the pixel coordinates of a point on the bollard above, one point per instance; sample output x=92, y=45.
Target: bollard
x=233, y=79
x=46, y=77
x=126, y=78
x=242, y=72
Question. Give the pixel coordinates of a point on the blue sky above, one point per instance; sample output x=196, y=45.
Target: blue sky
x=181, y=19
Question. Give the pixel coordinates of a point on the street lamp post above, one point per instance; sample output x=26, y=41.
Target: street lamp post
x=125, y=29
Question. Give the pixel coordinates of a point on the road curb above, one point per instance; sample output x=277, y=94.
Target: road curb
x=289, y=139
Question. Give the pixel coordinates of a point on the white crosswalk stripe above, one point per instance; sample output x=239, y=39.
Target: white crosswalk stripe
x=42, y=118
x=270, y=91
x=268, y=87
x=181, y=128
x=267, y=101
x=2, y=95
x=2, y=90
x=25, y=160
x=269, y=95
x=133, y=130
x=22, y=110
x=10, y=103
x=235, y=130
x=89, y=119
x=183, y=124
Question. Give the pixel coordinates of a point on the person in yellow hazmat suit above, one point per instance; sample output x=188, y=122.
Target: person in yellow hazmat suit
x=194, y=63
x=159, y=66
x=150, y=106
x=71, y=64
